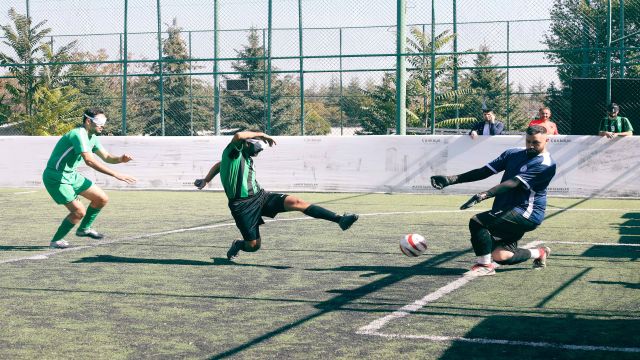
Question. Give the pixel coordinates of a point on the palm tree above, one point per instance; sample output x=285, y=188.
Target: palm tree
x=420, y=45
x=30, y=50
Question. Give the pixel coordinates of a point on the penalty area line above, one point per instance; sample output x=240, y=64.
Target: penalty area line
x=373, y=328
x=509, y=342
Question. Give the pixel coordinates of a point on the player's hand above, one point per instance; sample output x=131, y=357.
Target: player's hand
x=269, y=140
x=440, y=181
x=610, y=135
x=126, y=178
x=125, y=158
x=474, y=200
x=200, y=183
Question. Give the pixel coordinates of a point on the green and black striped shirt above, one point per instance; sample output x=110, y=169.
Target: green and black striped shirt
x=237, y=173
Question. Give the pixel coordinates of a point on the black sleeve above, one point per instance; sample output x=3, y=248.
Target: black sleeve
x=474, y=175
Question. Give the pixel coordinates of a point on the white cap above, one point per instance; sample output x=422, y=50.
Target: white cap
x=99, y=119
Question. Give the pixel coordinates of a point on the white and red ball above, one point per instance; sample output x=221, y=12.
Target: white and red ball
x=413, y=245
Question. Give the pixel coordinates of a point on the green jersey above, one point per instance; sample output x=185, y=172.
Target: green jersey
x=618, y=125
x=66, y=157
x=237, y=174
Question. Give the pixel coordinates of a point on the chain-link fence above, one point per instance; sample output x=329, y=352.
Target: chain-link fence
x=313, y=67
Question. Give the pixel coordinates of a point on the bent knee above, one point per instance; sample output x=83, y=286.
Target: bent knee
x=101, y=201
x=78, y=213
x=501, y=255
x=252, y=246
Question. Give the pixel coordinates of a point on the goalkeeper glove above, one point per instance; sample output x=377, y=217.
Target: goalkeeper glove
x=440, y=181
x=474, y=200
x=200, y=183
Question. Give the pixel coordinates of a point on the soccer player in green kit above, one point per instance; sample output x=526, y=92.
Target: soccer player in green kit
x=248, y=202
x=64, y=183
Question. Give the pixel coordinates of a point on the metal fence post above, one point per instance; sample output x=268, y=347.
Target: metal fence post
x=401, y=70
x=301, y=67
x=190, y=88
x=433, y=68
x=216, y=76
x=125, y=58
x=269, y=32
x=608, y=57
x=160, y=66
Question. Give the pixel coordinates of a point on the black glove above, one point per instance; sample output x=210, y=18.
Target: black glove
x=200, y=183
x=440, y=181
x=474, y=200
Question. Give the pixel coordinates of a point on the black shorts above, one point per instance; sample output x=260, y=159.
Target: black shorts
x=506, y=227
x=248, y=212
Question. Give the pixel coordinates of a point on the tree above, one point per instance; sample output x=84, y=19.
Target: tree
x=314, y=123
x=181, y=93
x=379, y=111
x=55, y=112
x=247, y=109
x=419, y=84
x=95, y=87
x=579, y=23
x=490, y=91
x=30, y=50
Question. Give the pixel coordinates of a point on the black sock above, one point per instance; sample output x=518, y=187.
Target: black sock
x=481, y=238
x=318, y=212
x=519, y=255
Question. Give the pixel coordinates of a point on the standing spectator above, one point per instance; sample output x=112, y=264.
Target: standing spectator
x=490, y=126
x=544, y=120
x=613, y=125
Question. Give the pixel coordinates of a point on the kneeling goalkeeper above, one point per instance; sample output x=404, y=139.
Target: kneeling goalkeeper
x=519, y=205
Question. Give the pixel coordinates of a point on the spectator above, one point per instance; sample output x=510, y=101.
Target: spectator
x=613, y=125
x=490, y=126
x=544, y=120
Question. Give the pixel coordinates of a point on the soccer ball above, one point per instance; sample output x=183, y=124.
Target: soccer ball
x=413, y=245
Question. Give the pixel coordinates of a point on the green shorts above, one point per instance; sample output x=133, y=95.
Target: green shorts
x=64, y=191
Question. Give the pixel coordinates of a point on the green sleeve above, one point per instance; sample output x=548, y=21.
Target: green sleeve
x=97, y=146
x=626, y=125
x=603, y=125
x=80, y=141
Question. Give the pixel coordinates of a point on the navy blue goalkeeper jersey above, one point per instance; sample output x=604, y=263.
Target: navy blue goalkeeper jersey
x=529, y=199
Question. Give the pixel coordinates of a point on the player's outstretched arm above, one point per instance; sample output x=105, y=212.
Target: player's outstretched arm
x=201, y=183
x=245, y=135
x=93, y=163
x=441, y=181
x=112, y=159
x=503, y=187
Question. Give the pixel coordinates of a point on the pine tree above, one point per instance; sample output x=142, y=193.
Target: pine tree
x=246, y=110
x=181, y=93
x=490, y=87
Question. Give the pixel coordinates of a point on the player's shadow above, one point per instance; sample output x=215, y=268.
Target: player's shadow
x=396, y=270
x=22, y=248
x=628, y=285
x=496, y=332
x=131, y=260
x=629, y=232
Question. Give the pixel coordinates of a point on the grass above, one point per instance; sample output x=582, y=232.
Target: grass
x=147, y=292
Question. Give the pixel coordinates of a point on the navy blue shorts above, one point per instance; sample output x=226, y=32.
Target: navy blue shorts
x=248, y=212
x=506, y=227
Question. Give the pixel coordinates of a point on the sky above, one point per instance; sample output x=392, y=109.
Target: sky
x=368, y=28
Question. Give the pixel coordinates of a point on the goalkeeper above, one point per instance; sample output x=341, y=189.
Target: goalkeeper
x=519, y=205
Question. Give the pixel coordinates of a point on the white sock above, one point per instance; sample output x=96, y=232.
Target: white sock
x=535, y=253
x=484, y=259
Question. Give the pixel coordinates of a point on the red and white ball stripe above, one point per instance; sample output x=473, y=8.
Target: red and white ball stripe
x=413, y=245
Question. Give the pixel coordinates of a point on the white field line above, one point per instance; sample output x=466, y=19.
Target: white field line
x=198, y=228
x=509, y=342
x=25, y=192
x=590, y=244
x=373, y=328
x=406, y=310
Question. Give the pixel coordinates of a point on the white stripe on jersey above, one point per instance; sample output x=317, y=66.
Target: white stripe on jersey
x=527, y=213
x=522, y=181
x=492, y=169
x=62, y=157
